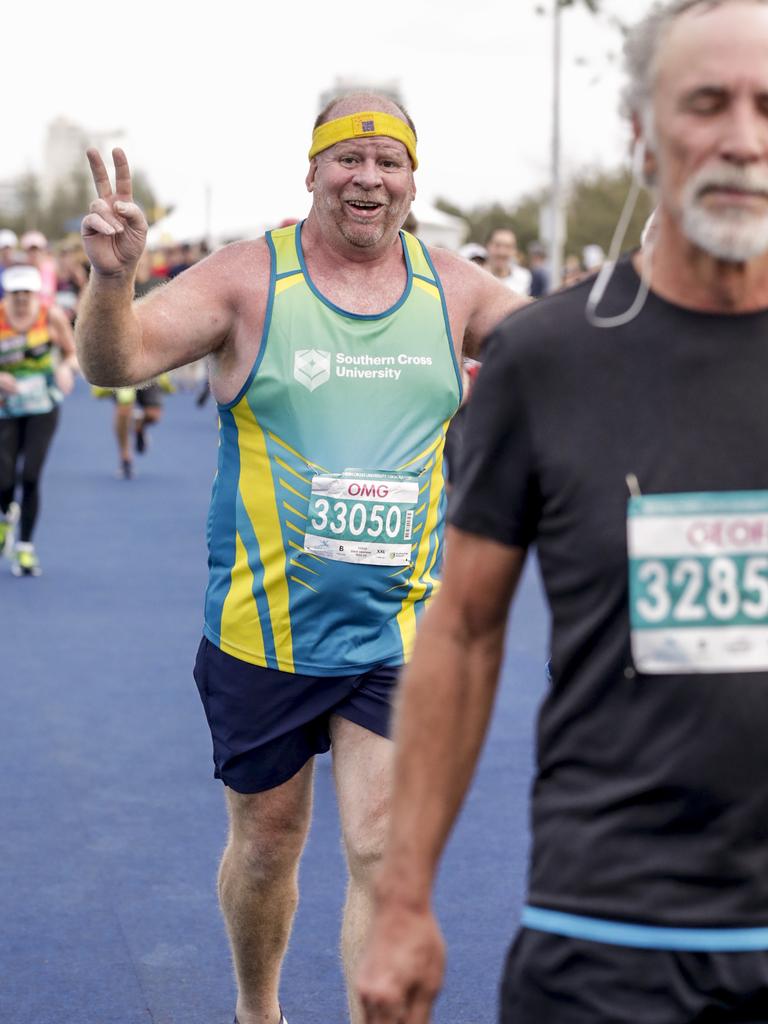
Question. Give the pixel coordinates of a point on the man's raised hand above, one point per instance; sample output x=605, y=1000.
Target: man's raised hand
x=115, y=231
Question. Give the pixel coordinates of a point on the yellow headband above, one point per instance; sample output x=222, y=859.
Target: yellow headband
x=368, y=123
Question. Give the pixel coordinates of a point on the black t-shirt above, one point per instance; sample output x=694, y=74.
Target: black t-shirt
x=651, y=795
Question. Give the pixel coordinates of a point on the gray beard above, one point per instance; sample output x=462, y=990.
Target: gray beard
x=736, y=239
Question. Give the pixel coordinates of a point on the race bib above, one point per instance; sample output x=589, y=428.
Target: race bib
x=698, y=582
x=32, y=398
x=365, y=518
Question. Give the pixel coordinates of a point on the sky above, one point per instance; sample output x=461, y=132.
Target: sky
x=220, y=98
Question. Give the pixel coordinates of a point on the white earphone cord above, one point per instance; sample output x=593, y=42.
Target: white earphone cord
x=606, y=271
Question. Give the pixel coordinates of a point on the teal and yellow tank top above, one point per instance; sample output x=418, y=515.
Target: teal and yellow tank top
x=325, y=530
x=28, y=355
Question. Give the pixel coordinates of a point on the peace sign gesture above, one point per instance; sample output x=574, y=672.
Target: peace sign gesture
x=115, y=230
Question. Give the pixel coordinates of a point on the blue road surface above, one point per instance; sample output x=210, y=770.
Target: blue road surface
x=111, y=824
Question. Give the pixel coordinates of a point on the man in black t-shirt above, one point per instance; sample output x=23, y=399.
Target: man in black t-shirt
x=629, y=443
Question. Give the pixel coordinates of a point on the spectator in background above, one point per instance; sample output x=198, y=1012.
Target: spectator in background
x=72, y=276
x=572, y=270
x=185, y=257
x=35, y=246
x=541, y=280
x=8, y=245
x=503, y=261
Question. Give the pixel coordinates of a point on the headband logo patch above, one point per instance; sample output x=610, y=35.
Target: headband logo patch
x=368, y=126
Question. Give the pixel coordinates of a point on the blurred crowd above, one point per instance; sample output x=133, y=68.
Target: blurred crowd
x=63, y=265
x=64, y=268
x=530, y=275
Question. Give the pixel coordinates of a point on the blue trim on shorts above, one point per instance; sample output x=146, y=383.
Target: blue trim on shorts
x=643, y=936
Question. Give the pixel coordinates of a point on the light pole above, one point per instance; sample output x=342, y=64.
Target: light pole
x=556, y=200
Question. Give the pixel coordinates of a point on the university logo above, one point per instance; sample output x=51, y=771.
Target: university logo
x=312, y=367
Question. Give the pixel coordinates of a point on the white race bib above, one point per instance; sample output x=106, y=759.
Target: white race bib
x=32, y=397
x=698, y=582
x=366, y=518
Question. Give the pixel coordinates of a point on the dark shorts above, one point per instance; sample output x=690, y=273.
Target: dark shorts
x=150, y=397
x=266, y=724
x=553, y=979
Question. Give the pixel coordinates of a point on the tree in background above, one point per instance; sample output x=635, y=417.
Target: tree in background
x=62, y=214
x=596, y=200
x=594, y=197
x=29, y=205
x=594, y=205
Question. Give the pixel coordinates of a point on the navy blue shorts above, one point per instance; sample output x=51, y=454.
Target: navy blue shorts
x=555, y=979
x=267, y=724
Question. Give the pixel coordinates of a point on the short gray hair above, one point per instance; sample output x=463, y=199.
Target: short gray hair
x=642, y=46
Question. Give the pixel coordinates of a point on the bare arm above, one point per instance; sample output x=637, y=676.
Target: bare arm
x=445, y=703
x=495, y=301
x=477, y=302
x=61, y=333
x=119, y=343
x=63, y=338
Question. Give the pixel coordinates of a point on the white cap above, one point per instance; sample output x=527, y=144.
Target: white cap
x=473, y=251
x=34, y=240
x=592, y=256
x=8, y=239
x=22, y=278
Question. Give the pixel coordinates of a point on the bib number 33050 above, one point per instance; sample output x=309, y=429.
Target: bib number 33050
x=365, y=518
x=698, y=582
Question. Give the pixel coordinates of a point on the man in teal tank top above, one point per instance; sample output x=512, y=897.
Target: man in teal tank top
x=335, y=347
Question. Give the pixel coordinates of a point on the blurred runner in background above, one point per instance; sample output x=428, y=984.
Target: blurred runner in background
x=33, y=380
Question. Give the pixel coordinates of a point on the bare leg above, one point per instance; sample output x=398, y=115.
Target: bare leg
x=123, y=420
x=149, y=415
x=362, y=766
x=258, y=888
x=152, y=414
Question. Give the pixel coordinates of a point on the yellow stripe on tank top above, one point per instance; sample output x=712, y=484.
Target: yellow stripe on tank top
x=287, y=282
x=241, y=634
x=430, y=289
x=422, y=455
x=257, y=489
x=406, y=617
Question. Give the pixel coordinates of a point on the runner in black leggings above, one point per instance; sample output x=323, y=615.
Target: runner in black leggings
x=31, y=387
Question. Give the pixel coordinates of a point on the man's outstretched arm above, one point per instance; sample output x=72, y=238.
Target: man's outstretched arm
x=119, y=343
x=445, y=703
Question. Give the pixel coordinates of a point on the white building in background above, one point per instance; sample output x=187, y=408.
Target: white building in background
x=64, y=152
x=10, y=197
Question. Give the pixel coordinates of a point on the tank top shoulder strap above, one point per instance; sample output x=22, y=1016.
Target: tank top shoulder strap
x=421, y=265
x=285, y=254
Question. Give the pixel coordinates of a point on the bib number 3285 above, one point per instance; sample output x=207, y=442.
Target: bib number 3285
x=362, y=518
x=698, y=582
